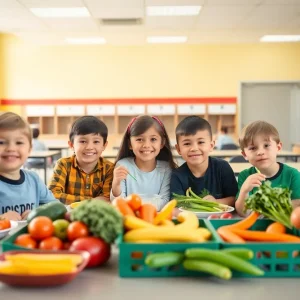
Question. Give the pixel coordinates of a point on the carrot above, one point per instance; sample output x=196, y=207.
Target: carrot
x=245, y=223
x=229, y=236
x=276, y=228
x=123, y=207
x=261, y=236
x=134, y=201
x=147, y=212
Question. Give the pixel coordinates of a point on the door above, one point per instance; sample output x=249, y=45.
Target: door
x=276, y=103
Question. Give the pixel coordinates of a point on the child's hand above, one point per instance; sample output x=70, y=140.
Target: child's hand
x=252, y=181
x=210, y=198
x=120, y=173
x=25, y=214
x=12, y=215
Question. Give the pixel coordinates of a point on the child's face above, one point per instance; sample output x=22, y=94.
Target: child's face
x=88, y=148
x=147, y=145
x=195, y=149
x=14, y=150
x=263, y=152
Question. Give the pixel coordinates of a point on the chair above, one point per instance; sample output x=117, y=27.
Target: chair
x=229, y=147
x=238, y=159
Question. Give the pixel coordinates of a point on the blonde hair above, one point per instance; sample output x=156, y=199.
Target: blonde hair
x=12, y=121
x=257, y=128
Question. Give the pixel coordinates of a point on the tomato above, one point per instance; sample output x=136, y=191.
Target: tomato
x=77, y=230
x=41, y=228
x=212, y=217
x=51, y=243
x=98, y=249
x=295, y=217
x=25, y=240
x=134, y=201
x=226, y=216
x=4, y=224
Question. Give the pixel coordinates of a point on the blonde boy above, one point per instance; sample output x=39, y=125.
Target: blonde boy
x=20, y=190
x=260, y=144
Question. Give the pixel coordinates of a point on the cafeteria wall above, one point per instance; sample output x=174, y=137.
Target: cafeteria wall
x=30, y=71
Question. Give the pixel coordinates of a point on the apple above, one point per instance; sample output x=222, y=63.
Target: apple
x=60, y=228
x=226, y=216
x=68, y=216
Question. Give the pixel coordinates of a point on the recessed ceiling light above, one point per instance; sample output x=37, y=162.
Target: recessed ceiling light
x=62, y=12
x=280, y=38
x=89, y=40
x=173, y=10
x=166, y=39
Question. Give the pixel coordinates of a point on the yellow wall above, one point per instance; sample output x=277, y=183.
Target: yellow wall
x=1, y=67
x=33, y=72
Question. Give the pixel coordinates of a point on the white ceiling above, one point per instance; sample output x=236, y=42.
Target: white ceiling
x=219, y=21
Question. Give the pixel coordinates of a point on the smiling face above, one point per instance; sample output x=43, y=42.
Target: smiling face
x=88, y=148
x=195, y=149
x=146, y=146
x=14, y=150
x=262, y=152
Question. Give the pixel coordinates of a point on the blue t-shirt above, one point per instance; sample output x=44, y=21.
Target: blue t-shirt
x=26, y=193
x=218, y=180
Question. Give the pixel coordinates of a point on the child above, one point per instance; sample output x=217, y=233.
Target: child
x=20, y=190
x=260, y=144
x=200, y=172
x=37, y=145
x=85, y=174
x=145, y=154
x=224, y=138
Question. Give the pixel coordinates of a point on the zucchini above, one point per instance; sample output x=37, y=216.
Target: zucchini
x=53, y=210
x=224, y=259
x=165, y=259
x=242, y=253
x=207, y=267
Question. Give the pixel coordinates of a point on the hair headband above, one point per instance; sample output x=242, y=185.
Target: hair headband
x=155, y=118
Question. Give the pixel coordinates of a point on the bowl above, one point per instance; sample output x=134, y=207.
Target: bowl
x=4, y=232
x=154, y=199
x=42, y=280
x=204, y=214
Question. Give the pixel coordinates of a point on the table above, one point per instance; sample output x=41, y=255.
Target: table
x=239, y=167
x=105, y=284
x=44, y=155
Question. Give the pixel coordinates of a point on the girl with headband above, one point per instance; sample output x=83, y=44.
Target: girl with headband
x=145, y=161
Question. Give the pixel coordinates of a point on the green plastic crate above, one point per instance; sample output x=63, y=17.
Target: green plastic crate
x=8, y=242
x=132, y=256
x=276, y=259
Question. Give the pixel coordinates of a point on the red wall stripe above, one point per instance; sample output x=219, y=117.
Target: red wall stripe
x=219, y=100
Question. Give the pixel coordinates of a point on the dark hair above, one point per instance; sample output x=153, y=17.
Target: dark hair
x=190, y=125
x=224, y=129
x=86, y=125
x=35, y=133
x=12, y=121
x=256, y=128
x=138, y=126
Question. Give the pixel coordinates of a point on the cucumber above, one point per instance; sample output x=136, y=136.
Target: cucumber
x=54, y=210
x=224, y=259
x=164, y=259
x=207, y=267
x=242, y=253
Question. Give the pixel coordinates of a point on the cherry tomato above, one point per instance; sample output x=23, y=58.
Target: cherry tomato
x=4, y=224
x=226, y=216
x=41, y=228
x=51, y=243
x=210, y=217
x=77, y=230
x=25, y=240
x=134, y=201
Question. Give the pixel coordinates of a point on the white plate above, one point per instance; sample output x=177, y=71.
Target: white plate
x=22, y=222
x=4, y=232
x=204, y=214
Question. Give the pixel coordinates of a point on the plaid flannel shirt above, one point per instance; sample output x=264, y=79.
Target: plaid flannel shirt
x=70, y=183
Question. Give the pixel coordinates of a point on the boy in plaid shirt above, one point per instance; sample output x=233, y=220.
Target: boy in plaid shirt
x=85, y=174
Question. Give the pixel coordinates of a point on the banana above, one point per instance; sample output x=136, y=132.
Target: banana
x=188, y=220
x=165, y=212
x=132, y=222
